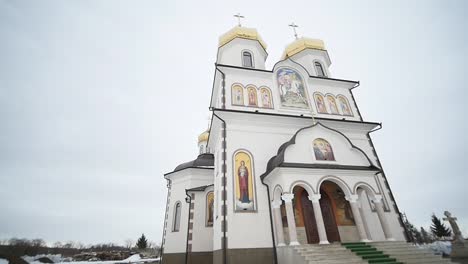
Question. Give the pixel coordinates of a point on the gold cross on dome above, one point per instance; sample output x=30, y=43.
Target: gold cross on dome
x=239, y=16
x=294, y=26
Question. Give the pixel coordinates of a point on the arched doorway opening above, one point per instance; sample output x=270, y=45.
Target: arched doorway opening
x=304, y=215
x=337, y=213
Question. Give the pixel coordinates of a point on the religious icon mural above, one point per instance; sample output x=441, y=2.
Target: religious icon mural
x=252, y=93
x=209, y=208
x=292, y=89
x=244, y=184
x=343, y=212
x=332, y=104
x=323, y=150
x=343, y=102
x=265, y=95
x=320, y=102
x=237, y=96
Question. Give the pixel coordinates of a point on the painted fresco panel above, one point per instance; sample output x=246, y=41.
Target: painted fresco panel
x=244, y=182
x=252, y=94
x=323, y=150
x=345, y=109
x=332, y=104
x=209, y=208
x=265, y=95
x=320, y=102
x=237, y=96
x=292, y=89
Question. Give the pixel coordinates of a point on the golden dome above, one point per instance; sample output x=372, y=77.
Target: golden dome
x=241, y=32
x=302, y=44
x=204, y=136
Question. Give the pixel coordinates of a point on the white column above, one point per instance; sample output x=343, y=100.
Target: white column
x=287, y=198
x=315, y=198
x=353, y=201
x=382, y=217
x=278, y=223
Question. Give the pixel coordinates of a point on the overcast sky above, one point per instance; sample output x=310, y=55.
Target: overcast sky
x=98, y=99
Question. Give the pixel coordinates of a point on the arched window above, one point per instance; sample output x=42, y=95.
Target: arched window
x=176, y=223
x=247, y=59
x=319, y=69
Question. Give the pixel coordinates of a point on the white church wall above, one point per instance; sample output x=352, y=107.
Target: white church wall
x=202, y=235
x=307, y=58
x=303, y=151
x=175, y=241
x=268, y=79
x=252, y=229
x=231, y=53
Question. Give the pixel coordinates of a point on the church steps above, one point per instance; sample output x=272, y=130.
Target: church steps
x=327, y=254
x=408, y=253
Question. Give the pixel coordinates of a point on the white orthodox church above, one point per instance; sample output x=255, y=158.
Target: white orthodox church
x=287, y=162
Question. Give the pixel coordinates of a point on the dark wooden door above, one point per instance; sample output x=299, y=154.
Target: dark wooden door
x=329, y=218
x=309, y=219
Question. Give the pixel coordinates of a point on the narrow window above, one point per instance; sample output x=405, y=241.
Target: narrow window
x=176, y=224
x=247, y=59
x=319, y=69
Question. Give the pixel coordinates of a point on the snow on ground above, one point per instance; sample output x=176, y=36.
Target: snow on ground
x=57, y=259
x=3, y=261
x=132, y=259
x=439, y=247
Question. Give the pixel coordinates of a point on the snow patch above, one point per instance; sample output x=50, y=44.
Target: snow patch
x=3, y=261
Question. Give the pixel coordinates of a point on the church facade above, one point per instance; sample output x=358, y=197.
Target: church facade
x=288, y=160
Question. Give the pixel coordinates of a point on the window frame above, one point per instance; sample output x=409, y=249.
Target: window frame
x=177, y=216
x=319, y=64
x=251, y=59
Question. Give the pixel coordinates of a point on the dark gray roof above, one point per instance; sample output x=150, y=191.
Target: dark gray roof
x=200, y=188
x=278, y=160
x=202, y=161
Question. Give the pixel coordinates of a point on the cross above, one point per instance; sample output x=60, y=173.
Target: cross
x=294, y=26
x=208, y=118
x=239, y=16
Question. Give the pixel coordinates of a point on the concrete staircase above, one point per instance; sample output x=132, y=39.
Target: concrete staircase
x=327, y=254
x=408, y=253
x=370, y=253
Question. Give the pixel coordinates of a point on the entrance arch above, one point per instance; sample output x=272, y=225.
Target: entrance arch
x=305, y=214
x=329, y=220
x=337, y=212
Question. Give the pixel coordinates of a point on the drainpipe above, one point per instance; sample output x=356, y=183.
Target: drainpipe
x=165, y=219
x=188, y=200
x=223, y=227
x=275, y=254
x=402, y=223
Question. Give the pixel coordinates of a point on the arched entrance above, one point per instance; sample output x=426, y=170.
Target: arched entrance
x=309, y=218
x=337, y=213
x=328, y=215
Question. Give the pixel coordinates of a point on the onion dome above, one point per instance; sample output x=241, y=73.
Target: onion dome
x=241, y=32
x=203, y=137
x=302, y=44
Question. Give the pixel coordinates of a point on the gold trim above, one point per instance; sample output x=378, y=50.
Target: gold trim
x=302, y=44
x=241, y=32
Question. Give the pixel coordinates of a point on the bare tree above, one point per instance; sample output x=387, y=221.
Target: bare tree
x=69, y=244
x=38, y=242
x=129, y=243
x=58, y=244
